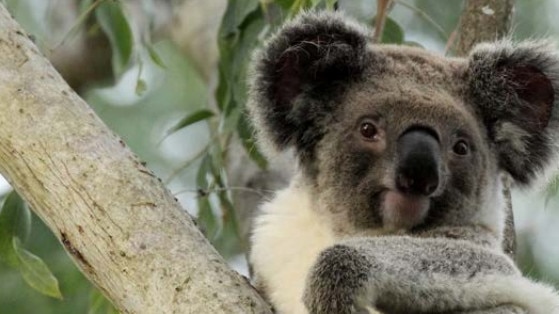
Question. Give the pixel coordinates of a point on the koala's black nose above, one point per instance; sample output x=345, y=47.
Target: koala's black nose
x=419, y=159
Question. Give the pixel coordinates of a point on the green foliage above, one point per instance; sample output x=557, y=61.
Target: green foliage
x=206, y=218
x=112, y=20
x=392, y=32
x=98, y=304
x=192, y=118
x=141, y=86
x=155, y=57
x=295, y=6
x=240, y=32
x=35, y=271
x=246, y=134
x=235, y=15
x=15, y=223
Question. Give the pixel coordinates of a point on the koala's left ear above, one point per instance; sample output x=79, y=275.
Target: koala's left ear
x=298, y=72
x=516, y=91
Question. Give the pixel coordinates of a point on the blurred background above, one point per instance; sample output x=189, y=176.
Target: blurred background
x=168, y=76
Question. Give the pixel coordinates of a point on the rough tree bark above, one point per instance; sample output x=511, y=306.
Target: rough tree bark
x=488, y=20
x=121, y=226
x=483, y=20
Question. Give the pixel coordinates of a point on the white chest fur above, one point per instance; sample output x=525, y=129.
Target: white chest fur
x=287, y=238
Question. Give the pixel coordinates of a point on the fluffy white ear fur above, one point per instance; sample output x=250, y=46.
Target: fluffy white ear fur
x=287, y=238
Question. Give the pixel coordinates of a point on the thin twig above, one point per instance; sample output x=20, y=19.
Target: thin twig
x=187, y=163
x=450, y=42
x=78, y=22
x=261, y=193
x=380, y=19
x=425, y=16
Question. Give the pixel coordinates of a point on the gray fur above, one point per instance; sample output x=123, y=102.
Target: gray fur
x=314, y=84
x=523, y=139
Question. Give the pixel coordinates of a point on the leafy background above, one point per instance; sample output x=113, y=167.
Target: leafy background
x=180, y=120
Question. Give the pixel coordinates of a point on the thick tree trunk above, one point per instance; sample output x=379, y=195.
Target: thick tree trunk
x=118, y=222
x=488, y=20
x=483, y=20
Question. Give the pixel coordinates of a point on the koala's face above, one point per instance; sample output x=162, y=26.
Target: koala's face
x=395, y=138
x=402, y=148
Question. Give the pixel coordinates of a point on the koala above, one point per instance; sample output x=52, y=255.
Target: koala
x=396, y=205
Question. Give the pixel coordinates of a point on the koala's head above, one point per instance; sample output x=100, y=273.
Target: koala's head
x=393, y=137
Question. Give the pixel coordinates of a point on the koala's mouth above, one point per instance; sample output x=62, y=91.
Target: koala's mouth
x=402, y=210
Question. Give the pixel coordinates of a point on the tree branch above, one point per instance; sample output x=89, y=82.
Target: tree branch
x=380, y=19
x=483, y=20
x=121, y=226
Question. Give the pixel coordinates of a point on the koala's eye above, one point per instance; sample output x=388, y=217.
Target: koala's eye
x=461, y=148
x=369, y=131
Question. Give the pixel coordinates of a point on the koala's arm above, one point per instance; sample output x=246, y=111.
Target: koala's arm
x=400, y=274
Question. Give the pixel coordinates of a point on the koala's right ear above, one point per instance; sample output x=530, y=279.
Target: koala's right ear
x=515, y=87
x=310, y=55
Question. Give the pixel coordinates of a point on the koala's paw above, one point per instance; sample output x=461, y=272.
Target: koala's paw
x=338, y=283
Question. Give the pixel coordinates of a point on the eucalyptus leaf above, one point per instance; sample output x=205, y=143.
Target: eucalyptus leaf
x=141, y=87
x=232, y=89
x=15, y=226
x=15, y=222
x=85, y=5
x=206, y=219
x=235, y=14
x=192, y=118
x=228, y=243
x=331, y=4
x=113, y=22
x=392, y=33
x=299, y=5
x=227, y=239
x=96, y=303
x=155, y=57
x=35, y=272
x=223, y=93
x=248, y=41
x=246, y=133
x=286, y=4
x=202, y=174
x=99, y=304
x=235, y=44
x=315, y=3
